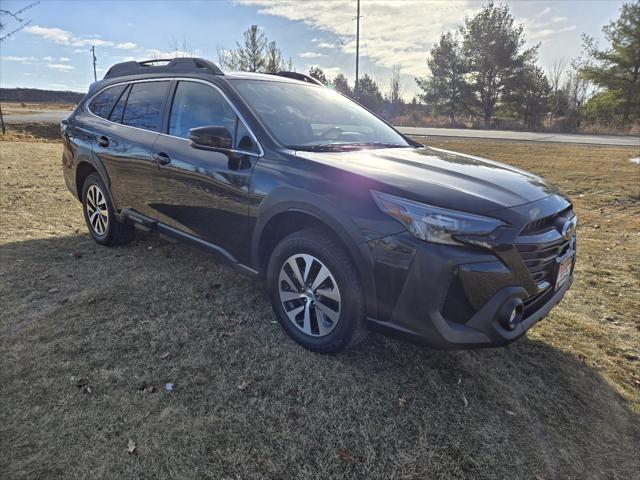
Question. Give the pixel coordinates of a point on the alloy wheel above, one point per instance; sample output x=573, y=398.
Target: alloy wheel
x=97, y=210
x=309, y=295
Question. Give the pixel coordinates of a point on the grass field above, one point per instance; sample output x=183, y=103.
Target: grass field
x=89, y=336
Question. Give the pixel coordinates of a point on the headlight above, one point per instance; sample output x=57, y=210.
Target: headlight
x=434, y=224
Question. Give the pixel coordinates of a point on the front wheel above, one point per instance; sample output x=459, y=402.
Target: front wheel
x=315, y=291
x=99, y=214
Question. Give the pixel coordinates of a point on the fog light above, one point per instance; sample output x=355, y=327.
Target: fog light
x=510, y=314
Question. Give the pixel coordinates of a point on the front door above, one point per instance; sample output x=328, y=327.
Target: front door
x=204, y=192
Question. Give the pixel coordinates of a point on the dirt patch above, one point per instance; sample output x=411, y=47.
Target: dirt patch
x=90, y=336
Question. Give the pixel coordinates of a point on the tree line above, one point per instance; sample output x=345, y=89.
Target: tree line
x=485, y=71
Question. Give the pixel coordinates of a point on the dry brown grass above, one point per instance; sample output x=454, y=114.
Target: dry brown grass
x=561, y=403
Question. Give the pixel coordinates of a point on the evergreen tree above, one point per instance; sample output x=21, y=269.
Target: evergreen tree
x=618, y=67
x=255, y=54
x=318, y=74
x=446, y=89
x=368, y=93
x=493, y=47
x=341, y=84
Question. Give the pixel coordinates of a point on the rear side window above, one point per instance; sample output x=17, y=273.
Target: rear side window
x=102, y=104
x=199, y=105
x=145, y=105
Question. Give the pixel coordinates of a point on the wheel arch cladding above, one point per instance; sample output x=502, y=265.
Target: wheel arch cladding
x=287, y=210
x=83, y=170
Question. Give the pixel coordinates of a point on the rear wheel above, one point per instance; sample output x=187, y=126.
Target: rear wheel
x=99, y=214
x=315, y=291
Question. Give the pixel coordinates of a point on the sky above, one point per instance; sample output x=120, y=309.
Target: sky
x=53, y=51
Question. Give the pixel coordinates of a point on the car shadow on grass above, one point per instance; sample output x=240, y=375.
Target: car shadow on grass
x=249, y=402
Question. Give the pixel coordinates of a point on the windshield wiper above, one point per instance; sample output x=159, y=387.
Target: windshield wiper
x=342, y=147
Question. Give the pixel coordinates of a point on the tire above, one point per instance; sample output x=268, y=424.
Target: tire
x=101, y=221
x=327, y=316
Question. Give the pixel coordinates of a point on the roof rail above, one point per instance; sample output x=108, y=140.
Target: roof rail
x=300, y=76
x=172, y=65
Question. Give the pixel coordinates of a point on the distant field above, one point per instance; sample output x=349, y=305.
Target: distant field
x=85, y=329
x=18, y=108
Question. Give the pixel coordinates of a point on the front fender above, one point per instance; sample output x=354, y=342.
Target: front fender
x=290, y=199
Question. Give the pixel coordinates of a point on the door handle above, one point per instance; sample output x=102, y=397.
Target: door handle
x=161, y=158
x=103, y=141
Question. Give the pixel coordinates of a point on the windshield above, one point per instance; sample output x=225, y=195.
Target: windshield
x=307, y=117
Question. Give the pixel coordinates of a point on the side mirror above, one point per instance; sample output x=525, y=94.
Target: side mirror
x=211, y=137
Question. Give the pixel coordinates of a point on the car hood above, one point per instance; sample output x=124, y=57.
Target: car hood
x=440, y=177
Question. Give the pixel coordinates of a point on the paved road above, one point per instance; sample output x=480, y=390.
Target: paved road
x=55, y=116
x=617, y=140
x=50, y=116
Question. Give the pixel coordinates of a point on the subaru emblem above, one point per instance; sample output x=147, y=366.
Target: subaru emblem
x=568, y=228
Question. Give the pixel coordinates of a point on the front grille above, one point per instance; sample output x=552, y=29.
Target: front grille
x=540, y=259
x=545, y=224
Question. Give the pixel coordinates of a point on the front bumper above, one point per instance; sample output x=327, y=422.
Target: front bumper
x=449, y=297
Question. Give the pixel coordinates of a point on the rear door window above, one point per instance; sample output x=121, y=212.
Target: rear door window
x=145, y=105
x=118, y=110
x=102, y=103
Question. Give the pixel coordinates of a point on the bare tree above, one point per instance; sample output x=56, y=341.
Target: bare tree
x=577, y=89
x=556, y=75
x=17, y=17
x=181, y=48
x=395, y=87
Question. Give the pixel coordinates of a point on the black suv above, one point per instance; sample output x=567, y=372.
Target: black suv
x=352, y=224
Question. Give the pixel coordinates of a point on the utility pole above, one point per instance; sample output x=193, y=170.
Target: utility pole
x=357, y=47
x=93, y=54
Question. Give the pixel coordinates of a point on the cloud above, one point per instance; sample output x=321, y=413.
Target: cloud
x=25, y=60
x=64, y=37
x=398, y=32
x=321, y=43
x=541, y=34
x=56, y=35
x=61, y=67
x=544, y=25
x=311, y=55
x=48, y=59
x=64, y=59
x=96, y=42
x=326, y=45
x=126, y=46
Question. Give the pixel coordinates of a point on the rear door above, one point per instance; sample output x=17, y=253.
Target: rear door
x=125, y=143
x=203, y=192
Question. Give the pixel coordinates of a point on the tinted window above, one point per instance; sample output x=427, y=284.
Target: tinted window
x=118, y=110
x=199, y=105
x=101, y=105
x=145, y=105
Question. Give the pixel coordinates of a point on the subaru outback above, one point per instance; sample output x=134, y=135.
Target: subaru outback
x=352, y=225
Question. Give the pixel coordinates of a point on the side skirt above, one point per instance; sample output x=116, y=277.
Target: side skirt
x=146, y=224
